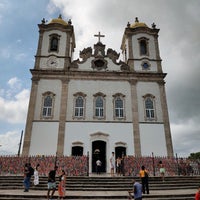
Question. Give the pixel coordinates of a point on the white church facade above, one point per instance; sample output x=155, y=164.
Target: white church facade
x=97, y=105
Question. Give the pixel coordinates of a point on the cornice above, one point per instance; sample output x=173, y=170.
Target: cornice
x=104, y=76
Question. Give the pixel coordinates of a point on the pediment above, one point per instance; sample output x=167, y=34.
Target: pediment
x=99, y=134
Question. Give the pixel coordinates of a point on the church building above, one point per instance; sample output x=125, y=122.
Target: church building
x=97, y=104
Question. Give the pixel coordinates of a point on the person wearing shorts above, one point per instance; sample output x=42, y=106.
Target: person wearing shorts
x=51, y=183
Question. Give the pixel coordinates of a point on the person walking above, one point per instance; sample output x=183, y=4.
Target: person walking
x=112, y=164
x=137, y=191
x=61, y=185
x=51, y=183
x=98, y=166
x=118, y=165
x=36, y=175
x=144, y=175
x=28, y=172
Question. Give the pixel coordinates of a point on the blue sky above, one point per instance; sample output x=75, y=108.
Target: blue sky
x=179, y=23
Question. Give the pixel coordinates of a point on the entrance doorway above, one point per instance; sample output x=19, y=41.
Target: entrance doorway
x=119, y=151
x=99, y=152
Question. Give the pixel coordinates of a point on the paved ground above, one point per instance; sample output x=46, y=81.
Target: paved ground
x=97, y=193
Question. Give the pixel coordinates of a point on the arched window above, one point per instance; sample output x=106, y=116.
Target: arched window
x=143, y=47
x=79, y=107
x=99, y=108
x=47, y=108
x=119, y=107
x=54, y=44
x=149, y=108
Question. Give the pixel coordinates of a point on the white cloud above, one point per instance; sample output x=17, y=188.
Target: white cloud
x=15, y=110
x=186, y=138
x=15, y=86
x=9, y=142
x=14, y=83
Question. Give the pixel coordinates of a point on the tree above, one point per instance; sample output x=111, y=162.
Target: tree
x=195, y=156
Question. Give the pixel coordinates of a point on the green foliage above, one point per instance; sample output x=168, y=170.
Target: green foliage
x=195, y=156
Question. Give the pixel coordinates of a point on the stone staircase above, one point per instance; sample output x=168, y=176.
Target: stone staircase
x=103, y=187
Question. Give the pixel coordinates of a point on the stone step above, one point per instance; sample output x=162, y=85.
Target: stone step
x=101, y=197
x=102, y=188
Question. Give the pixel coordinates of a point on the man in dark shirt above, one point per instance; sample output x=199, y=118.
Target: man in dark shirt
x=28, y=172
x=51, y=183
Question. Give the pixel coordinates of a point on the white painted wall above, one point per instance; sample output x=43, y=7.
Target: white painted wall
x=52, y=86
x=118, y=132
x=138, y=66
x=153, y=139
x=135, y=43
x=44, y=138
x=108, y=88
x=151, y=88
x=62, y=43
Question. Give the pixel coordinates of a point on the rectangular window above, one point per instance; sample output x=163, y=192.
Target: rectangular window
x=99, y=112
x=119, y=112
x=78, y=111
x=150, y=113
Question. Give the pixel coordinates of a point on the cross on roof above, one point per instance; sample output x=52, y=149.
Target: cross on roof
x=99, y=36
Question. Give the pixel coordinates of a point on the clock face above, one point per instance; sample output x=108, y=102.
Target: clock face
x=52, y=62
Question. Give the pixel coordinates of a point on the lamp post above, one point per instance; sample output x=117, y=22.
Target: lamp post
x=178, y=167
x=154, y=173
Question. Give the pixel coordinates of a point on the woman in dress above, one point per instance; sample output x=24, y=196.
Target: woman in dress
x=36, y=175
x=61, y=185
x=162, y=171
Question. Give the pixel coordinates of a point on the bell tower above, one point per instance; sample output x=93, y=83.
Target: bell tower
x=53, y=57
x=140, y=47
x=56, y=44
x=140, y=52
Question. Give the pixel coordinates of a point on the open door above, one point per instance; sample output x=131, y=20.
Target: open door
x=99, y=152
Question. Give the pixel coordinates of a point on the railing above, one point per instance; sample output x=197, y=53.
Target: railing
x=79, y=165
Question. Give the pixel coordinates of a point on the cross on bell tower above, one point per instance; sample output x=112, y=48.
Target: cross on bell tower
x=99, y=36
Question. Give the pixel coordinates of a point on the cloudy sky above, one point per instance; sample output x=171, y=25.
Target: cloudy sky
x=179, y=42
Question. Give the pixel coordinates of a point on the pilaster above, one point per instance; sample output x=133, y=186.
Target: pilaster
x=62, y=118
x=157, y=54
x=30, y=117
x=168, y=138
x=135, y=119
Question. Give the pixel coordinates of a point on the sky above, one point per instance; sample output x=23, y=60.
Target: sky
x=179, y=43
